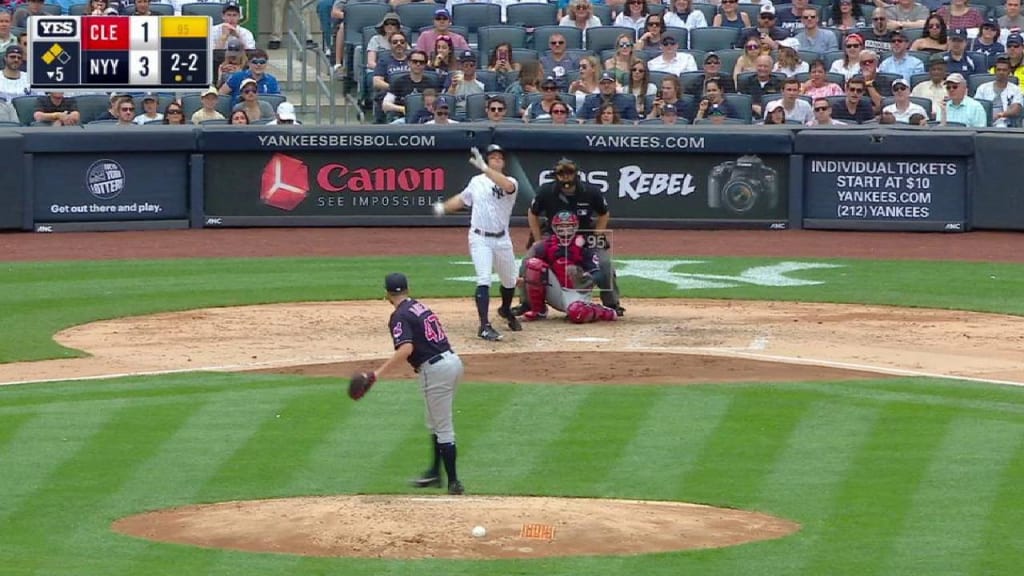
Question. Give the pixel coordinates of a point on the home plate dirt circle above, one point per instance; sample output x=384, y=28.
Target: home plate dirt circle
x=414, y=527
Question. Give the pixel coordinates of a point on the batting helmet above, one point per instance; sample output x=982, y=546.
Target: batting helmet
x=495, y=148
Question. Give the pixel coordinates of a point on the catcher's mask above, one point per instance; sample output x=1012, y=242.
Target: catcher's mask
x=565, y=173
x=565, y=225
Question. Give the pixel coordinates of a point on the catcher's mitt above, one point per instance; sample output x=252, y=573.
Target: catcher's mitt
x=581, y=280
x=360, y=384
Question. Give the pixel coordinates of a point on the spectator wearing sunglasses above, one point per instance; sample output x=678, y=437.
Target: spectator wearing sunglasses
x=14, y=82
x=415, y=82
x=671, y=59
x=560, y=113
x=390, y=65
x=849, y=64
x=174, y=114
x=265, y=83
x=496, y=110
x=766, y=32
x=855, y=108
x=623, y=58
x=653, y=31
x=255, y=108
x=900, y=62
x=442, y=27
x=958, y=106
x=464, y=82
x=878, y=37
x=812, y=37
x=683, y=15
x=541, y=109
x=126, y=113
x=823, y=114
x=936, y=36
x=634, y=16
x=729, y=16
x=580, y=15
x=903, y=107
x=557, y=61
x=792, y=20
x=442, y=113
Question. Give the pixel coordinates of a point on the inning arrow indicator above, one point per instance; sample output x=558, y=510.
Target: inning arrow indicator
x=50, y=74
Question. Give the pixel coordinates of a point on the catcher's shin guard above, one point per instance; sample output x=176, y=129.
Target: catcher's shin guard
x=580, y=312
x=536, y=285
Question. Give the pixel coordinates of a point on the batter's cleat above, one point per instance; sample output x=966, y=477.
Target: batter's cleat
x=487, y=332
x=519, y=310
x=513, y=322
x=456, y=488
x=427, y=480
x=532, y=316
x=619, y=311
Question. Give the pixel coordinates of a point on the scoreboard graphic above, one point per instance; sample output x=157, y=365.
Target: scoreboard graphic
x=119, y=52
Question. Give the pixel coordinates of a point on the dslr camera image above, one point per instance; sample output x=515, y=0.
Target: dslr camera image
x=743, y=186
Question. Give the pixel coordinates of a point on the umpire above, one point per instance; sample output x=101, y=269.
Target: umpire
x=569, y=192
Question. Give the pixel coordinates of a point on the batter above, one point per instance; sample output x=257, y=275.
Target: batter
x=491, y=196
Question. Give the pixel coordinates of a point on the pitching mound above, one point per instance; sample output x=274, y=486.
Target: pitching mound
x=404, y=527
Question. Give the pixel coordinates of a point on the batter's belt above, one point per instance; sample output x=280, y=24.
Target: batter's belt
x=480, y=232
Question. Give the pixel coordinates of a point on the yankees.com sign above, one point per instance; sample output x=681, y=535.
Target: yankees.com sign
x=672, y=186
x=331, y=184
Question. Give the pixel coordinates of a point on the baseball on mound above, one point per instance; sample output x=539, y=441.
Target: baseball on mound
x=479, y=531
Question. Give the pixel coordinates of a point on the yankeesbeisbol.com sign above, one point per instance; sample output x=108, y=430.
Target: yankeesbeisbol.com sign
x=282, y=185
x=672, y=186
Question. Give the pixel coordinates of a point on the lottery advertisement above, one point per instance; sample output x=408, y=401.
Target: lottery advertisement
x=114, y=187
x=926, y=193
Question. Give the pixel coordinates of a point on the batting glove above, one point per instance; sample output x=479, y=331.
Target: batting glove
x=439, y=209
x=477, y=160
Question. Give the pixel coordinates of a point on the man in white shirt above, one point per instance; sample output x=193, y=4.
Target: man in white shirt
x=671, y=60
x=442, y=113
x=903, y=107
x=796, y=109
x=14, y=82
x=823, y=114
x=683, y=15
x=230, y=28
x=1005, y=96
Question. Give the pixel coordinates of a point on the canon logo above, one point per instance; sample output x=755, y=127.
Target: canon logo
x=341, y=178
x=597, y=178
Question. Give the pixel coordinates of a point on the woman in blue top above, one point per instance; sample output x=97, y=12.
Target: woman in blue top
x=729, y=16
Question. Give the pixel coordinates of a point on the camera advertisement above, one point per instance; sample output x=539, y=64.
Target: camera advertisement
x=701, y=188
x=926, y=193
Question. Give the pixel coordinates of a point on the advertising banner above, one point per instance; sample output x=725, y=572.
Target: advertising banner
x=75, y=187
x=905, y=193
x=12, y=193
x=301, y=180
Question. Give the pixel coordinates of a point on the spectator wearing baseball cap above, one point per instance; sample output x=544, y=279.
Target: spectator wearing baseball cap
x=14, y=82
x=209, y=98
x=463, y=82
x=765, y=29
x=900, y=61
x=987, y=40
x=266, y=83
x=669, y=114
x=671, y=60
x=150, y=110
x=230, y=28
x=1006, y=97
x=285, y=115
x=625, y=105
x=1015, y=55
x=902, y=107
x=956, y=57
x=958, y=15
x=442, y=27
x=959, y=107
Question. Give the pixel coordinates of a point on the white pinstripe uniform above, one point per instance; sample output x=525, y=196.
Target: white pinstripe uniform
x=490, y=244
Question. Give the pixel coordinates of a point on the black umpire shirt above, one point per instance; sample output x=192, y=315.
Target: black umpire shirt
x=587, y=203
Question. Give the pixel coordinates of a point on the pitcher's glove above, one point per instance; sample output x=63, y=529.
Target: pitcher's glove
x=360, y=384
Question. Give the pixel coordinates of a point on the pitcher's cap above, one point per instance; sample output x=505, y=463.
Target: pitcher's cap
x=396, y=282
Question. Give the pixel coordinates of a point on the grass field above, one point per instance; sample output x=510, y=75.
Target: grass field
x=909, y=476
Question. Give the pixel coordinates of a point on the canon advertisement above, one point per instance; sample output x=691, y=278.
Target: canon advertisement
x=307, y=187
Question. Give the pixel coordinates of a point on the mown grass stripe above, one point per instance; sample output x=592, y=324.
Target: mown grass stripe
x=596, y=436
x=875, y=497
x=1002, y=547
x=666, y=442
x=867, y=392
x=90, y=541
x=956, y=494
x=10, y=424
x=510, y=456
x=38, y=453
x=804, y=481
x=186, y=464
x=72, y=502
x=744, y=445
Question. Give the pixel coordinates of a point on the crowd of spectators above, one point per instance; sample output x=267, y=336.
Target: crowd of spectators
x=861, y=58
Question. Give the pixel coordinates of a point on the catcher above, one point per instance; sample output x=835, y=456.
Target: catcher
x=563, y=274
x=421, y=341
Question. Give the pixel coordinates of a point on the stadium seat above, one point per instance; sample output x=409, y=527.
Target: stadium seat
x=603, y=13
x=488, y=37
x=162, y=9
x=531, y=14
x=359, y=16
x=214, y=10
x=716, y=39
x=52, y=9
x=25, y=106
x=742, y=104
x=600, y=38
x=77, y=9
x=474, y=16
